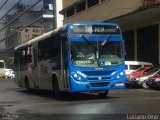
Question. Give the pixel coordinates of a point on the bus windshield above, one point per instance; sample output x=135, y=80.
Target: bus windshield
x=96, y=53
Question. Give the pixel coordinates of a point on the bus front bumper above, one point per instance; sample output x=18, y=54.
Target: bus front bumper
x=77, y=86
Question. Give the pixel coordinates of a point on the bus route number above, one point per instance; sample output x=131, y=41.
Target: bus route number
x=99, y=29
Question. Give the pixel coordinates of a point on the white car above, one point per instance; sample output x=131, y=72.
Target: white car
x=9, y=73
x=131, y=66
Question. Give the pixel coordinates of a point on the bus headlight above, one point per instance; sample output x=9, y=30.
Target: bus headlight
x=75, y=75
x=120, y=75
x=78, y=76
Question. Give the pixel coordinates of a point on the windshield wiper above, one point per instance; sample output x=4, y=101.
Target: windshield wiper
x=89, y=43
x=107, y=39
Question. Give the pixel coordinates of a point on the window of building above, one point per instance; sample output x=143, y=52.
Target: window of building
x=91, y=3
x=80, y=7
x=26, y=30
x=129, y=44
x=70, y=12
x=35, y=30
x=47, y=1
x=102, y=0
x=147, y=44
x=48, y=5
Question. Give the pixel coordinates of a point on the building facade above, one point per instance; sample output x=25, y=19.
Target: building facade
x=23, y=20
x=139, y=20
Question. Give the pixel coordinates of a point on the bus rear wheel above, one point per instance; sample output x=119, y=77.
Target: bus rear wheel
x=103, y=94
x=57, y=92
x=27, y=84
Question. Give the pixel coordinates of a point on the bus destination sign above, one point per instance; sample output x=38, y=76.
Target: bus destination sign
x=94, y=29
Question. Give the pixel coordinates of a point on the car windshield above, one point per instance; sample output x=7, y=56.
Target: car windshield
x=87, y=53
x=152, y=71
x=138, y=70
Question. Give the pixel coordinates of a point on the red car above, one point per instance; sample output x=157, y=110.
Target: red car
x=140, y=71
x=154, y=81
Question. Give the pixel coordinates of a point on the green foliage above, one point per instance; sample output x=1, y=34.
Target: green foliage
x=9, y=62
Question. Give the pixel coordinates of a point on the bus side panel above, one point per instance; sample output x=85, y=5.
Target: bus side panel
x=45, y=75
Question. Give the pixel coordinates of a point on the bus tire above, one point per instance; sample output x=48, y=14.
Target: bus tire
x=103, y=94
x=27, y=84
x=55, y=84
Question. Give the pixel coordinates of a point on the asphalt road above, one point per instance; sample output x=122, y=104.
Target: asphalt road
x=18, y=103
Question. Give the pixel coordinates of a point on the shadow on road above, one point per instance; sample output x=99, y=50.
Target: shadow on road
x=66, y=96
x=155, y=88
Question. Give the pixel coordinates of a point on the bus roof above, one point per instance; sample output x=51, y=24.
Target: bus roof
x=45, y=35
x=64, y=27
x=94, y=23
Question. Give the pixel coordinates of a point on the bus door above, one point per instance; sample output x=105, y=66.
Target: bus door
x=64, y=65
x=34, y=67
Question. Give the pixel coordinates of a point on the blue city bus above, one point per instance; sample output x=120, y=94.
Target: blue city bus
x=77, y=57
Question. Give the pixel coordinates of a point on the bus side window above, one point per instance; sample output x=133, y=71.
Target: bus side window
x=16, y=57
x=24, y=55
x=29, y=55
x=35, y=57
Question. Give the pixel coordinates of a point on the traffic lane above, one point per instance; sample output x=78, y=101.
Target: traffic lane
x=118, y=102
x=89, y=107
x=107, y=106
x=20, y=101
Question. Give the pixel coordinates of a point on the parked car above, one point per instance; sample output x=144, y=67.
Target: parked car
x=139, y=72
x=154, y=81
x=9, y=73
x=131, y=66
x=141, y=80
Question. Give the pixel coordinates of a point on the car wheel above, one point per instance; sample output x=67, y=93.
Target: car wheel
x=144, y=85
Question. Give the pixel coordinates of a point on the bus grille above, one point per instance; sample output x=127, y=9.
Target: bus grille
x=99, y=84
x=99, y=73
x=103, y=78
